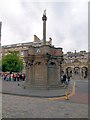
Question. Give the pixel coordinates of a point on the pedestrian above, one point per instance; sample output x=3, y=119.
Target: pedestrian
x=23, y=76
x=64, y=78
x=68, y=77
x=14, y=77
x=61, y=78
x=67, y=81
x=11, y=77
x=18, y=77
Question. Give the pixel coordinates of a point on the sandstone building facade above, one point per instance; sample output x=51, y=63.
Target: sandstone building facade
x=75, y=64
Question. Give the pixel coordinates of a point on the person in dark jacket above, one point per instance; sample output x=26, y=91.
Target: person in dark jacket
x=64, y=78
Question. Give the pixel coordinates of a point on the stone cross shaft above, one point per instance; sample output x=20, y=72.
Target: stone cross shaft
x=44, y=18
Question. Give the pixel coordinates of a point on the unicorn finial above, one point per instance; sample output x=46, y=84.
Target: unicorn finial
x=44, y=12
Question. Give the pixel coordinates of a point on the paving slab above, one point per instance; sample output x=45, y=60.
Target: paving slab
x=16, y=88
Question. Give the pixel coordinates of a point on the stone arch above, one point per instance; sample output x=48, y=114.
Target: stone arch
x=52, y=62
x=84, y=71
x=29, y=64
x=38, y=62
x=76, y=70
x=76, y=61
x=69, y=71
x=76, y=73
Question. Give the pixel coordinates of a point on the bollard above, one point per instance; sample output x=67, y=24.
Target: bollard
x=66, y=97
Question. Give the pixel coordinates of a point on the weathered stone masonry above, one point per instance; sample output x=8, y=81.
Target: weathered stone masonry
x=43, y=66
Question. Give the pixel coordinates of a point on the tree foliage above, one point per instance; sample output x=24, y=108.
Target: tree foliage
x=12, y=62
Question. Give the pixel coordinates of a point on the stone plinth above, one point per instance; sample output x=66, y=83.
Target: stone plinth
x=43, y=66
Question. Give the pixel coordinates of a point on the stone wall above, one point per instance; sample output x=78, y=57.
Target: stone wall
x=43, y=66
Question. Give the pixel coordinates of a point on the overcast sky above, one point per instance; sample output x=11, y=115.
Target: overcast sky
x=67, y=23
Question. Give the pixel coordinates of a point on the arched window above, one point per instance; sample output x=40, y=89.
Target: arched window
x=76, y=70
x=69, y=71
x=76, y=61
x=84, y=72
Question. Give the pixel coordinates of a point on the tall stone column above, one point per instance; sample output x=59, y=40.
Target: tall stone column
x=44, y=18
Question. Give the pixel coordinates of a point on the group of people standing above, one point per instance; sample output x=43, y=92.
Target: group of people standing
x=13, y=76
x=65, y=79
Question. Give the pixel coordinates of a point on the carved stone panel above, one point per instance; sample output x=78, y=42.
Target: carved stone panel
x=39, y=73
x=52, y=74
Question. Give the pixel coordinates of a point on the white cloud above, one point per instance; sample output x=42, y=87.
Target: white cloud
x=67, y=23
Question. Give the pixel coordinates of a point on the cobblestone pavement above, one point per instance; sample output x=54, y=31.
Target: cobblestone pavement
x=13, y=88
x=32, y=107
